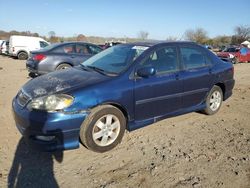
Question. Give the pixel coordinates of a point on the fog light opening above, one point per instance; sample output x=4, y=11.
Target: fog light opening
x=45, y=138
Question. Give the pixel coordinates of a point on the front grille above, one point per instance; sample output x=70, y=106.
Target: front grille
x=22, y=98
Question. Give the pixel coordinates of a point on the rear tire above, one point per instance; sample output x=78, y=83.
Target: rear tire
x=22, y=55
x=103, y=128
x=213, y=101
x=63, y=66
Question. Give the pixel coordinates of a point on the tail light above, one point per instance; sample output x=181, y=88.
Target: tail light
x=39, y=57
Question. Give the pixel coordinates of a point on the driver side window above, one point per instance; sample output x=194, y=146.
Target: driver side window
x=163, y=60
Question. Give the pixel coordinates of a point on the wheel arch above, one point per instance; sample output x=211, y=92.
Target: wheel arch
x=223, y=88
x=59, y=63
x=22, y=51
x=121, y=108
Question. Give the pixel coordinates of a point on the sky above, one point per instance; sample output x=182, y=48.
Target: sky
x=124, y=18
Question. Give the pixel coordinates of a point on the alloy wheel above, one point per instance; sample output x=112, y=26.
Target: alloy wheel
x=215, y=100
x=106, y=130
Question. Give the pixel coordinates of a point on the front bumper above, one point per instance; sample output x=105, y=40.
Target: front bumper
x=64, y=127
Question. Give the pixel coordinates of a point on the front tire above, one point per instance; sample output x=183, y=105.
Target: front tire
x=213, y=101
x=103, y=129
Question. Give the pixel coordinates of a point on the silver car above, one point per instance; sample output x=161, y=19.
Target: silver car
x=60, y=56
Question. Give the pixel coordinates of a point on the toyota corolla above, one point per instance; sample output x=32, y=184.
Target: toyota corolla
x=127, y=86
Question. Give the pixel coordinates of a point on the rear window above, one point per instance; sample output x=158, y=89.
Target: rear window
x=82, y=49
x=68, y=49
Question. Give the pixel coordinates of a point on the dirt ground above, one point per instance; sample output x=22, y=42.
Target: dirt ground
x=192, y=150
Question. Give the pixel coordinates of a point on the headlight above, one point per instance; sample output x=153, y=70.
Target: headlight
x=51, y=103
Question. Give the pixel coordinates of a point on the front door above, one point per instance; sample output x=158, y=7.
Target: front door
x=159, y=94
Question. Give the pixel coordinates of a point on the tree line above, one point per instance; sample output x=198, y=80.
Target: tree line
x=199, y=35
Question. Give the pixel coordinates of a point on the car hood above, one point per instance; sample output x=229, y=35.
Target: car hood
x=62, y=81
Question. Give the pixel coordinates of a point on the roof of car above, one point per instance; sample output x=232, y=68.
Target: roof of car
x=148, y=43
x=152, y=43
x=72, y=42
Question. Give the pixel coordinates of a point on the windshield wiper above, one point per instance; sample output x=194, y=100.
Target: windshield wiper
x=96, y=68
x=84, y=67
x=99, y=70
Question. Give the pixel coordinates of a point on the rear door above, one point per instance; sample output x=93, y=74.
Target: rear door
x=159, y=94
x=197, y=75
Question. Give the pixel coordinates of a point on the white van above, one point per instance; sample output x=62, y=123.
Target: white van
x=20, y=46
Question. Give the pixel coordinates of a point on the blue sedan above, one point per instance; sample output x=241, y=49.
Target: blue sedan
x=127, y=86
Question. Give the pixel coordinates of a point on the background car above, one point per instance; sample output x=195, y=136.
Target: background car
x=1, y=44
x=60, y=56
x=20, y=46
x=235, y=55
x=227, y=51
x=4, y=47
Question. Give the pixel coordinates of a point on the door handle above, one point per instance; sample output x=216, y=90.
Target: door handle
x=72, y=56
x=210, y=71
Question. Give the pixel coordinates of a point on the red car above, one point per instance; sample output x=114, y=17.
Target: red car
x=236, y=54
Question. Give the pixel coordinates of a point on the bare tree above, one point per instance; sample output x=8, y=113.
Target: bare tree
x=81, y=37
x=171, y=38
x=52, y=37
x=52, y=34
x=242, y=33
x=35, y=34
x=222, y=40
x=143, y=35
x=198, y=35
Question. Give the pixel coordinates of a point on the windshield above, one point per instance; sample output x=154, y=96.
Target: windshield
x=230, y=50
x=115, y=59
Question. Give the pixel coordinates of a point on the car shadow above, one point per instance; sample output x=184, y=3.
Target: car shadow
x=32, y=168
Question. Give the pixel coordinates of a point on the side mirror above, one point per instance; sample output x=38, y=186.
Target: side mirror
x=146, y=72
